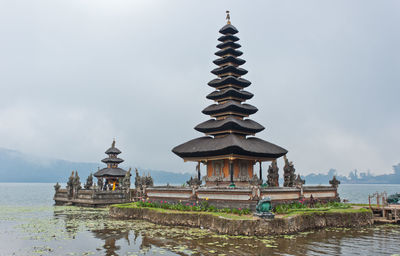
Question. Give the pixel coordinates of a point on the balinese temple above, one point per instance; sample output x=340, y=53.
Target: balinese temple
x=229, y=148
x=112, y=173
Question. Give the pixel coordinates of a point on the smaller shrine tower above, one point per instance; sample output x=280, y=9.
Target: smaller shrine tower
x=112, y=173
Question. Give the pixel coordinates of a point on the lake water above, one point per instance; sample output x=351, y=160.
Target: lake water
x=31, y=225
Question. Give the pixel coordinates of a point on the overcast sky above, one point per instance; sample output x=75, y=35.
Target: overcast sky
x=74, y=74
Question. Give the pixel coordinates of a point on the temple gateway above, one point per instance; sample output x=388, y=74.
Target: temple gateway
x=229, y=150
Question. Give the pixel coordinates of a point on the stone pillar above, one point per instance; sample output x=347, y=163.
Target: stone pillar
x=231, y=172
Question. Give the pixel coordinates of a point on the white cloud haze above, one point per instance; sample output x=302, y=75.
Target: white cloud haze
x=75, y=74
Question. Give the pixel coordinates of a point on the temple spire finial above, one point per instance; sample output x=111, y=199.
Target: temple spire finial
x=113, y=143
x=228, y=17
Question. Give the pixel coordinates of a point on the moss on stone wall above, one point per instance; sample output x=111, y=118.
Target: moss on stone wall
x=247, y=225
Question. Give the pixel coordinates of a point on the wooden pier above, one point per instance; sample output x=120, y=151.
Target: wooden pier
x=384, y=213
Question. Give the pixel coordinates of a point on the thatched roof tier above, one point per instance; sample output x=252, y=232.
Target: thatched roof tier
x=229, y=44
x=229, y=51
x=228, y=29
x=227, y=81
x=225, y=38
x=112, y=160
x=230, y=106
x=229, y=70
x=230, y=93
x=113, y=150
x=208, y=147
x=229, y=59
x=231, y=125
x=110, y=172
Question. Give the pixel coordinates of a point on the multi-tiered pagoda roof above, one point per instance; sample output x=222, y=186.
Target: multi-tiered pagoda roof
x=229, y=132
x=112, y=161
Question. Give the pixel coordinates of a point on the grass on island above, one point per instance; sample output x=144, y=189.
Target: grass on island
x=217, y=214
x=281, y=210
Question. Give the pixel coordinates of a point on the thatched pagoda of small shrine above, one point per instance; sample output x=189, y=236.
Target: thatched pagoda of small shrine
x=111, y=174
x=229, y=150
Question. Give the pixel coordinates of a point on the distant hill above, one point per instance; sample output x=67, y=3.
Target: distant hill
x=355, y=177
x=19, y=167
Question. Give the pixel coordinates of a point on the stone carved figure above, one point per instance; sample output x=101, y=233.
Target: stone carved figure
x=299, y=182
x=273, y=175
x=89, y=182
x=70, y=185
x=334, y=182
x=76, y=182
x=288, y=175
x=126, y=181
x=57, y=187
x=255, y=181
x=193, y=182
x=141, y=181
x=100, y=183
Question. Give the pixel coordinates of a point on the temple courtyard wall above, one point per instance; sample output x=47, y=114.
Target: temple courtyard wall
x=246, y=225
x=224, y=197
x=92, y=197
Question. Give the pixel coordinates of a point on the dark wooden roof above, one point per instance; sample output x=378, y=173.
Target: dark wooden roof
x=231, y=51
x=112, y=160
x=229, y=80
x=110, y=172
x=113, y=150
x=229, y=92
x=230, y=44
x=229, y=69
x=229, y=144
x=228, y=29
x=232, y=131
x=225, y=38
x=213, y=126
x=230, y=106
x=229, y=59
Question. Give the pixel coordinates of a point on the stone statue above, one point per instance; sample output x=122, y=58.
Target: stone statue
x=273, y=175
x=57, y=187
x=143, y=181
x=70, y=185
x=137, y=179
x=334, y=182
x=194, y=182
x=255, y=181
x=288, y=175
x=89, y=182
x=77, y=181
x=299, y=182
x=100, y=183
x=126, y=181
x=263, y=208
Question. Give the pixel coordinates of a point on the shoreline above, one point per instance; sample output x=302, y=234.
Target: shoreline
x=247, y=225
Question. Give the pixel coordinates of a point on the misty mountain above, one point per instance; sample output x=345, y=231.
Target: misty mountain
x=19, y=167
x=355, y=177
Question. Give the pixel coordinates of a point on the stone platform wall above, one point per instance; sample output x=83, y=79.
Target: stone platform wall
x=91, y=197
x=251, y=226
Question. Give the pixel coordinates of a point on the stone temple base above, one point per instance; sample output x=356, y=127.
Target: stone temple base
x=240, y=197
x=92, y=198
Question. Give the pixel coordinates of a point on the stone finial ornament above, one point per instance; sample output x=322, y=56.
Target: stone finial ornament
x=299, y=182
x=228, y=17
x=89, y=182
x=57, y=187
x=334, y=182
